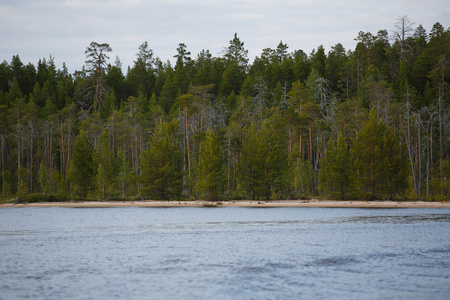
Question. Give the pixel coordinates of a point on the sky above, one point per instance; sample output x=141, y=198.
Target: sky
x=38, y=29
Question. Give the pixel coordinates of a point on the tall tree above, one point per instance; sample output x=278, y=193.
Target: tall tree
x=403, y=29
x=211, y=167
x=379, y=159
x=32, y=125
x=335, y=70
x=105, y=177
x=141, y=78
x=337, y=173
x=264, y=161
x=181, y=77
x=236, y=53
x=4, y=131
x=81, y=168
x=161, y=164
x=182, y=56
x=281, y=51
x=185, y=103
x=96, y=59
x=116, y=80
x=319, y=60
x=236, y=63
x=253, y=165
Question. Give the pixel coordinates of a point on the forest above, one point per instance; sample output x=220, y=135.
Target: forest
x=366, y=123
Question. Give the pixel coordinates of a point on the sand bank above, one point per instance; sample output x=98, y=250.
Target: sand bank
x=241, y=203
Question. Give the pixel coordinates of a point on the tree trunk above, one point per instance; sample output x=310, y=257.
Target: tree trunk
x=187, y=141
x=310, y=143
x=290, y=139
x=18, y=140
x=441, y=154
x=68, y=149
x=61, y=158
x=408, y=142
x=3, y=163
x=31, y=161
x=420, y=158
x=51, y=152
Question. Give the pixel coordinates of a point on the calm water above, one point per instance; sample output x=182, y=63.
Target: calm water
x=224, y=253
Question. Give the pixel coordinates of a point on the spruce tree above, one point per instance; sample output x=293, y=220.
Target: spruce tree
x=81, y=168
x=211, y=166
x=378, y=160
x=161, y=174
x=106, y=172
x=336, y=174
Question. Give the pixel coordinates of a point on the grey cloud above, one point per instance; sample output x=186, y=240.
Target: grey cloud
x=36, y=29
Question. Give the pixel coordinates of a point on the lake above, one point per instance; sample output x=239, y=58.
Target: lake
x=224, y=253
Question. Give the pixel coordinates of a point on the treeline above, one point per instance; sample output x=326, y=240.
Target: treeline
x=368, y=123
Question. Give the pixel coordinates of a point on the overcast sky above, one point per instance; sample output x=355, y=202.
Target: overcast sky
x=36, y=29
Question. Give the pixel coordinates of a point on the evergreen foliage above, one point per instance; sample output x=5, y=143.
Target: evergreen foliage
x=211, y=176
x=370, y=122
x=337, y=173
x=161, y=164
x=81, y=168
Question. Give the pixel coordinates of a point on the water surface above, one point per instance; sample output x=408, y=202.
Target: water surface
x=224, y=253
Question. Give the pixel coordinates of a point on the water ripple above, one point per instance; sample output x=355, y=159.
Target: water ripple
x=229, y=253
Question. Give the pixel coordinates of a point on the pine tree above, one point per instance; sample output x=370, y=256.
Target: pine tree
x=236, y=52
x=96, y=62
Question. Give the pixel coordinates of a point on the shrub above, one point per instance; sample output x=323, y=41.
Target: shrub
x=36, y=198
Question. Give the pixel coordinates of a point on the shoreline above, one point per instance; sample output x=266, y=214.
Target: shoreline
x=239, y=203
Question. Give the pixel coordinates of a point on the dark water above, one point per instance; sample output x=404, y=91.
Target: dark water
x=224, y=253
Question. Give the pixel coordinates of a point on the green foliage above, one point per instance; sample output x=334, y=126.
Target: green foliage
x=264, y=162
x=253, y=165
x=379, y=160
x=161, y=175
x=43, y=178
x=58, y=185
x=337, y=174
x=38, y=198
x=284, y=125
x=303, y=176
x=22, y=188
x=105, y=178
x=211, y=167
x=236, y=53
x=81, y=168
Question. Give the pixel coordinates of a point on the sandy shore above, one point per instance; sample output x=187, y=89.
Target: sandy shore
x=241, y=203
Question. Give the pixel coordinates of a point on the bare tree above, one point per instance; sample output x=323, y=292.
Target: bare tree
x=261, y=93
x=442, y=65
x=403, y=30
